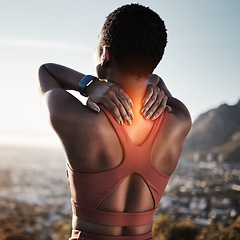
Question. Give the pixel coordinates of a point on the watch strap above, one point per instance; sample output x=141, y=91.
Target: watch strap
x=85, y=82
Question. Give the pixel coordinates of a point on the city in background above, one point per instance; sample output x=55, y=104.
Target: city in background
x=200, y=67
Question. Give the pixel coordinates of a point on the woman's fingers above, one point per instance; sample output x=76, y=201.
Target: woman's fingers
x=113, y=109
x=117, y=101
x=125, y=95
x=155, y=102
x=148, y=94
x=119, y=104
x=92, y=105
x=169, y=109
x=124, y=102
x=157, y=107
x=160, y=109
x=113, y=98
x=122, y=107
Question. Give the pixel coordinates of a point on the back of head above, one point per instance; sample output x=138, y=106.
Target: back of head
x=136, y=38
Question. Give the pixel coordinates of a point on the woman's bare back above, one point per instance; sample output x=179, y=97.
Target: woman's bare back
x=133, y=194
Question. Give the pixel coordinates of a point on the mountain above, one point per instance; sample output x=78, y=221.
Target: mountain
x=215, y=133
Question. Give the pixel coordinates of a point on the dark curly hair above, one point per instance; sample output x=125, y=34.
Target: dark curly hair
x=136, y=37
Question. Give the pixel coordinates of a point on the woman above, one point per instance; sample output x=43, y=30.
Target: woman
x=118, y=172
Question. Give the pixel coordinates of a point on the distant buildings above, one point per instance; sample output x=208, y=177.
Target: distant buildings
x=203, y=191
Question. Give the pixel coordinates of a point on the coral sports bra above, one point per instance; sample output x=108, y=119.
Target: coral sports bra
x=89, y=190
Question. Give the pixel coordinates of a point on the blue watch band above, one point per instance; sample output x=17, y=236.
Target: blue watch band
x=84, y=82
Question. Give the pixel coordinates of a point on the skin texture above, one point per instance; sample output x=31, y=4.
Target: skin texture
x=90, y=142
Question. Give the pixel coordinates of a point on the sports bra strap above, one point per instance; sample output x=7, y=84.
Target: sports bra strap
x=119, y=129
x=113, y=218
x=126, y=140
x=157, y=129
x=137, y=159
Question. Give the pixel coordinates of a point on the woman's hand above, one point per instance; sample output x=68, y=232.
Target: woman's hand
x=113, y=98
x=154, y=102
x=116, y=100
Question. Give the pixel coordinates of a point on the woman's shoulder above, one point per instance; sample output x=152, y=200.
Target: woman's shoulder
x=179, y=119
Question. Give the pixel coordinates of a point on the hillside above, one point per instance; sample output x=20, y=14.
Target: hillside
x=216, y=132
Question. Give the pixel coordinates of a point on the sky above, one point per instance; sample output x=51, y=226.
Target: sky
x=200, y=65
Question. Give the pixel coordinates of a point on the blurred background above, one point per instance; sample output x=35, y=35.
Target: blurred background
x=200, y=67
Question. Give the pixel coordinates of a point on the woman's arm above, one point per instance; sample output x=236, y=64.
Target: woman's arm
x=61, y=77
x=65, y=78
x=110, y=95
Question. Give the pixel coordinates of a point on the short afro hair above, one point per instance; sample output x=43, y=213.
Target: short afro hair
x=136, y=37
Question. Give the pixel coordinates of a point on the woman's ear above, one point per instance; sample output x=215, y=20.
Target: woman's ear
x=105, y=56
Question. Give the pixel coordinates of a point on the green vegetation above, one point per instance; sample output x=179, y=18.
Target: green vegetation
x=62, y=229
x=165, y=229
x=20, y=221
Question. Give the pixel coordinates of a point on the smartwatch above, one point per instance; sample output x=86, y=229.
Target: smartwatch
x=85, y=82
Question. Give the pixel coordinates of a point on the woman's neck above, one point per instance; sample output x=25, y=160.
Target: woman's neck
x=135, y=87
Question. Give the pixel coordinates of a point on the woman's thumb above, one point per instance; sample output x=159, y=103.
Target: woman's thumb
x=92, y=105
